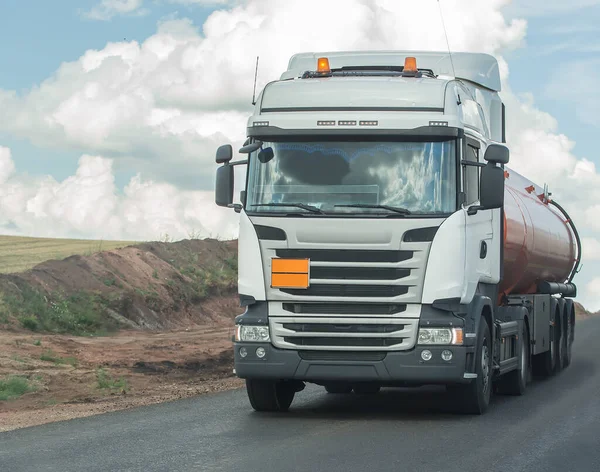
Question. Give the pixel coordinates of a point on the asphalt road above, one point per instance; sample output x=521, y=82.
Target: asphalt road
x=554, y=427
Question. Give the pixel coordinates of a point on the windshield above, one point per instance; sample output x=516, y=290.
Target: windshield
x=353, y=177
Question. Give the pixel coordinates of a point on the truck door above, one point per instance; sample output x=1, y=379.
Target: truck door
x=479, y=229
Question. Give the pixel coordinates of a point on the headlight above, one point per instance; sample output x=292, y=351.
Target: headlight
x=248, y=333
x=440, y=336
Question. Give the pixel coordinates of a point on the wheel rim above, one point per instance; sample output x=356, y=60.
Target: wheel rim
x=485, y=366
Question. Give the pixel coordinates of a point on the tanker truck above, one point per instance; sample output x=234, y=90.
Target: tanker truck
x=384, y=241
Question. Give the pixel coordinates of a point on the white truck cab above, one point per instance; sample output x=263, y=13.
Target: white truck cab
x=371, y=236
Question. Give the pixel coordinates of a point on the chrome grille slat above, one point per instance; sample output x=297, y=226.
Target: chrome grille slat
x=401, y=333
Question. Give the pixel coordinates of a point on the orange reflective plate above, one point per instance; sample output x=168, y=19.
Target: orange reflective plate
x=289, y=280
x=289, y=266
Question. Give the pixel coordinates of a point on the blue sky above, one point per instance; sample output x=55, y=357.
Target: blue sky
x=38, y=35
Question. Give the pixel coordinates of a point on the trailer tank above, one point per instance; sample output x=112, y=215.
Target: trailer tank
x=539, y=245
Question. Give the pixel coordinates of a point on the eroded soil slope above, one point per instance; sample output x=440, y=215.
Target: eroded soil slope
x=116, y=329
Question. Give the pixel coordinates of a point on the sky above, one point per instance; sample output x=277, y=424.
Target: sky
x=111, y=110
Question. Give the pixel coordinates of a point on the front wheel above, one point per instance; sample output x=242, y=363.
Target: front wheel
x=270, y=395
x=474, y=398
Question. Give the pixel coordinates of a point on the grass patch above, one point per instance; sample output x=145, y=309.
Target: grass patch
x=13, y=386
x=80, y=314
x=50, y=356
x=106, y=381
x=18, y=253
x=37, y=342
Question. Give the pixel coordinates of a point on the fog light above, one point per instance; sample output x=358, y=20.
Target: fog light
x=426, y=355
x=447, y=355
x=243, y=352
x=260, y=352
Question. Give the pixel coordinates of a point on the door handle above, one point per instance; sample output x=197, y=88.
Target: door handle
x=483, y=250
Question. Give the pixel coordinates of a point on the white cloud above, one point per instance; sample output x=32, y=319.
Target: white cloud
x=591, y=248
x=593, y=293
x=88, y=205
x=107, y=9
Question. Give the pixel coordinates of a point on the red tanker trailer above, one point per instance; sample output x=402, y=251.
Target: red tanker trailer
x=539, y=242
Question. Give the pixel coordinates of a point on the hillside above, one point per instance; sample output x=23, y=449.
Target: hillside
x=18, y=253
x=151, y=286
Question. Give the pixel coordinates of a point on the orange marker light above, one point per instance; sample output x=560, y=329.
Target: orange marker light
x=323, y=65
x=410, y=64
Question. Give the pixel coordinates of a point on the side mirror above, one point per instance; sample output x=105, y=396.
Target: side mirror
x=224, y=154
x=497, y=154
x=492, y=187
x=224, y=186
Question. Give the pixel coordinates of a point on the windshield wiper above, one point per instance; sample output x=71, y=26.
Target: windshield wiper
x=304, y=206
x=402, y=211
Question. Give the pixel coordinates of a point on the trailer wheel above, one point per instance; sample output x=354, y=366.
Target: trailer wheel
x=545, y=363
x=559, y=342
x=515, y=382
x=474, y=398
x=338, y=388
x=570, y=336
x=270, y=395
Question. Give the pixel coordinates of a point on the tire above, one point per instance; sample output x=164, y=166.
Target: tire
x=567, y=340
x=366, y=389
x=545, y=363
x=338, y=388
x=474, y=398
x=559, y=341
x=515, y=382
x=570, y=337
x=270, y=395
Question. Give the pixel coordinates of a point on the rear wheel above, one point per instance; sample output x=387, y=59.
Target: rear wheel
x=545, y=363
x=515, y=382
x=338, y=388
x=366, y=389
x=559, y=342
x=474, y=398
x=570, y=336
x=270, y=395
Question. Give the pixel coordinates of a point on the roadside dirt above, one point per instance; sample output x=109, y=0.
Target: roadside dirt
x=157, y=367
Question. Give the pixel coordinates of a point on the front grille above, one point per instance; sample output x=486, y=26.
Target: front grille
x=345, y=255
x=344, y=308
x=342, y=328
x=345, y=342
x=358, y=273
x=335, y=290
x=317, y=333
x=342, y=356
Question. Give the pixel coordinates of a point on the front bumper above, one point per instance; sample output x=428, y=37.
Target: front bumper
x=386, y=368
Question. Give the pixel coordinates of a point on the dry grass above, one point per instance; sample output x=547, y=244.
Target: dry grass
x=18, y=253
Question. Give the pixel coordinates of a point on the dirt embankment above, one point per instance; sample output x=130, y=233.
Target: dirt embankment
x=116, y=329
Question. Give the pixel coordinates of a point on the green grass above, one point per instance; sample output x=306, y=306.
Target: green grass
x=19, y=253
x=50, y=356
x=106, y=381
x=79, y=314
x=12, y=387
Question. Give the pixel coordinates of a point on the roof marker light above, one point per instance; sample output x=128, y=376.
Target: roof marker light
x=323, y=65
x=410, y=64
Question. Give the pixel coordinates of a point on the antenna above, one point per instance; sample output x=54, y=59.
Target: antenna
x=447, y=42
x=255, y=75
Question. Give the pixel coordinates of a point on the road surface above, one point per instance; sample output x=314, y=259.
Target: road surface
x=554, y=427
